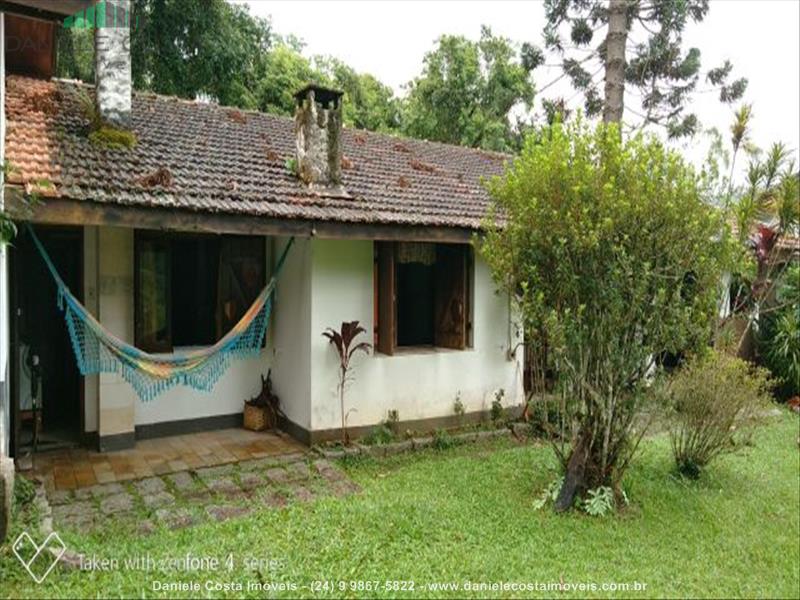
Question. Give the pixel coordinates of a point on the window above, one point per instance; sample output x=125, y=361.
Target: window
x=190, y=290
x=422, y=295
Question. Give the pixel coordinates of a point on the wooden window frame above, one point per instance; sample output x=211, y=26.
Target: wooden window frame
x=165, y=239
x=385, y=299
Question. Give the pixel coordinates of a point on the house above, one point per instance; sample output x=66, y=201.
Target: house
x=168, y=241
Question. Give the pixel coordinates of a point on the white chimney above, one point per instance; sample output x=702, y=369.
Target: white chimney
x=318, y=132
x=113, y=62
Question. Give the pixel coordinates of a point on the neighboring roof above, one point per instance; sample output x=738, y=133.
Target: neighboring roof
x=225, y=160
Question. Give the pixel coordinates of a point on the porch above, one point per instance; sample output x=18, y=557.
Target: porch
x=74, y=468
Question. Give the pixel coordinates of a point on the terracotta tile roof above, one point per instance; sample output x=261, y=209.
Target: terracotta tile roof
x=228, y=161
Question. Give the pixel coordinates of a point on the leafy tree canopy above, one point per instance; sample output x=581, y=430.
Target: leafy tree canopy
x=369, y=104
x=467, y=90
x=218, y=51
x=613, y=258
x=224, y=53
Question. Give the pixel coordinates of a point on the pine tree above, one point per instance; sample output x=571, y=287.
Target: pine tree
x=641, y=54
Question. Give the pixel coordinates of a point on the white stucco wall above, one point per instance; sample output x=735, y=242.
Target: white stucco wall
x=120, y=409
x=117, y=401
x=290, y=335
x=323, y=283
x=419, y=384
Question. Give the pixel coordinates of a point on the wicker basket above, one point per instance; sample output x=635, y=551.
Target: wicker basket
x=258, y=418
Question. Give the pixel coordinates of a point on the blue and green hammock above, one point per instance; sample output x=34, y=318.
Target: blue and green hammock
x=97, y=350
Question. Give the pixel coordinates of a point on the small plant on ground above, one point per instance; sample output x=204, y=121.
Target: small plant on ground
x=442, y=440
x=458, y=408
x=411, y=434
x=393, y=422
x=379, y=435
x=713, y=400
x=343, y=341
x=497, y=412
x=549, y=494
x=24, y=491
x=599, y=502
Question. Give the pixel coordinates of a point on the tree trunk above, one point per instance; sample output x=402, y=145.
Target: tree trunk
x=615, y=61
x=575, y=477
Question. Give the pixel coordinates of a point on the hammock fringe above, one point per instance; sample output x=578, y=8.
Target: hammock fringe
x=97, y=350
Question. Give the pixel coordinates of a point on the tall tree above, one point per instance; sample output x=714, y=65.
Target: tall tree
x=467, y=91
x=655, y=68
x=179, y=50
x=368, y=103
x=613, y=257
x=75, y=53
x=286, y=70
x=615, y=61
x=225, y=53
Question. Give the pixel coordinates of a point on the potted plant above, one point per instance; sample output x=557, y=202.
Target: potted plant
x=263, y=411
x=342, y=340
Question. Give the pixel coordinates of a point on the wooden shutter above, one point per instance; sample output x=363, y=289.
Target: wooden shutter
x=387, y=330
x=450, y=297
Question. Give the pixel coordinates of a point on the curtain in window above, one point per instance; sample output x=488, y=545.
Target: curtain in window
x=416, y=252
x=241, y=278
x=152, y=301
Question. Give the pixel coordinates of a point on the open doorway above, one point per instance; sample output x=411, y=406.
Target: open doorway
x=47, y=392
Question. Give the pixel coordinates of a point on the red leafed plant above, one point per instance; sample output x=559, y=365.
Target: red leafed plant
x=343, y=340
x=764, y=242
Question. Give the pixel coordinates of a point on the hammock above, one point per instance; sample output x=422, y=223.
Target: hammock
x=97, y=350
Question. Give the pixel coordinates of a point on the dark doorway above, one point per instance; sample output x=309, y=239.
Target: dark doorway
x=49, y=412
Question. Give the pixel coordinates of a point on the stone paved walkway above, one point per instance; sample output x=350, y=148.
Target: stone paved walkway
x=78, y=467
x=184, y=498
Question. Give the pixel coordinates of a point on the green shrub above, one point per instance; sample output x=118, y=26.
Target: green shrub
x=544, y=418
x=393, y=421
x=443, y=440
x=458, y=408
x=779, y=337
x=599, y=502
x=713, y=402
x=549, y=494
x=612, y=256
x=497, y=412
x=24, y=491
x=380, y=434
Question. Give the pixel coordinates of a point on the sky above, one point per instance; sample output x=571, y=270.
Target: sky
x=389, y=39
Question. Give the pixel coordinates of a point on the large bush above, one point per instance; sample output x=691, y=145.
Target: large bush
x=779, y=335
x=613, y=258
x=713, y=399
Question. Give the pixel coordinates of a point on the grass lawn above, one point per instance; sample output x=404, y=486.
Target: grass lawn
x=464, y=515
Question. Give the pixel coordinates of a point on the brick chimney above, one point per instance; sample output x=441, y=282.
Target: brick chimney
x=318, y=132
x=113, y=62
